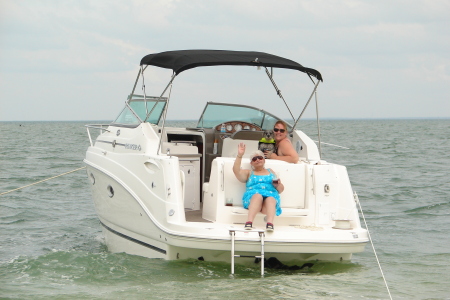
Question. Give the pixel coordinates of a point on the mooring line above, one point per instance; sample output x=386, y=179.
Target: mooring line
x=333, y=145
x=373, y=247
x=42, y=181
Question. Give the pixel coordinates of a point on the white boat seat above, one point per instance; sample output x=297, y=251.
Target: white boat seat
x=225, y=184
x=292, y=176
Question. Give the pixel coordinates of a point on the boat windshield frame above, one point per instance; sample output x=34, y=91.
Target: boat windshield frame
x=216, y=113
x=136, y=111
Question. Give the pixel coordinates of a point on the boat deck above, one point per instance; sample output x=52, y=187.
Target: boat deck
x=195, y=216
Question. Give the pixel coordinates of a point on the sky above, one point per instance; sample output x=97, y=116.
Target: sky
x=64, y=60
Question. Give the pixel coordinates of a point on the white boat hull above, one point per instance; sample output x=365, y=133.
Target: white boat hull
x=140, y=203
x=164, y=192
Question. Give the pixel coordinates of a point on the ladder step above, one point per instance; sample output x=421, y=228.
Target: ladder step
x=251, y=256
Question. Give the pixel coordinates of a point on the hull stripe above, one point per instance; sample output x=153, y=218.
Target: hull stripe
x=134, y=240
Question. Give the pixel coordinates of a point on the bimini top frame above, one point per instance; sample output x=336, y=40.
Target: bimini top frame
x=182, y=60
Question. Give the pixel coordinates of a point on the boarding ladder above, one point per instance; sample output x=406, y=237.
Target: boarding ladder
x=233, y=239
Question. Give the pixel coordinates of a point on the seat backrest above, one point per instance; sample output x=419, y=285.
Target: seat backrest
x=234, y=189
x=230, y=147
x=247, y=135
x=292, y=176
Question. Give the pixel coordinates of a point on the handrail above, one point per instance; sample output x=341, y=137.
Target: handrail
x=98, y=126
x=95, y=126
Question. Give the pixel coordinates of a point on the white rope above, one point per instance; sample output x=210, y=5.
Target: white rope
x=333, y=145
x=42, y=181
x=371, y=242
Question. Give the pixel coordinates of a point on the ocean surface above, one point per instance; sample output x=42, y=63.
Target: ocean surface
x=51, y=244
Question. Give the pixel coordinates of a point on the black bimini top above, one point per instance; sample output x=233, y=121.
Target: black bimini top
x=183, y=60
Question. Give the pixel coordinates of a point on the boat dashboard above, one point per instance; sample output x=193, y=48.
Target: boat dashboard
x=235, y=126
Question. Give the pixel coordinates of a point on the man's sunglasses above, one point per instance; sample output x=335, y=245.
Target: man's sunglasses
x=257, y=157
x=280, y=130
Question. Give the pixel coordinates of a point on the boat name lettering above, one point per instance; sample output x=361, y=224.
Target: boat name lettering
x=133, y=147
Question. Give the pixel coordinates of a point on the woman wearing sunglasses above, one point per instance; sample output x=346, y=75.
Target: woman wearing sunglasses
x=262, y=193
x=283, y=146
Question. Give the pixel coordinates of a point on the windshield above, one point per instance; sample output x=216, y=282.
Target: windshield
x=127, y=117
x=217, y=113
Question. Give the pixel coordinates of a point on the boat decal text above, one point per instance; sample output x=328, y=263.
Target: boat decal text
x=133, y=147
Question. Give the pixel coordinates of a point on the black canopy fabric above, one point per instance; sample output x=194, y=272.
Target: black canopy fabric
x=183, y=60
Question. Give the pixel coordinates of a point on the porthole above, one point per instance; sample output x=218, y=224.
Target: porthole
x=110, y=191
x=92, y=178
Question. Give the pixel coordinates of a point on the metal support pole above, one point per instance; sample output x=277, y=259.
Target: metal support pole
x=135, y=83
x=143, y=89
x=89, y=134
x=318, y=124
x=232, y=252
x=141, y=71
x=165, y=112
x=278, y=91
x=261, y=235
x=162, y=94
x=310, y=97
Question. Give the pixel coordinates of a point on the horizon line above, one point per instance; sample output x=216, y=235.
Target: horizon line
x=305, y=119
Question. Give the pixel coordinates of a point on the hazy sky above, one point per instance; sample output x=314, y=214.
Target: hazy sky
x=78, y=60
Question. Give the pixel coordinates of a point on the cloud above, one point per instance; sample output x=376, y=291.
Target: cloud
x=373, y=56
x=73, y=36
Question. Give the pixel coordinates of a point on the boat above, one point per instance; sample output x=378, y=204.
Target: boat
x=170, y=192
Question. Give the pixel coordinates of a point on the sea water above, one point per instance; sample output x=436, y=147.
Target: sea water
x=51, y=245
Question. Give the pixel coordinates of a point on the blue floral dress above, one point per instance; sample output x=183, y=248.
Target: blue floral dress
x=261, y=184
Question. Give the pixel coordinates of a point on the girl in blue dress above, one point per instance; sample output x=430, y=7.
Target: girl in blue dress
x=262, y=193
